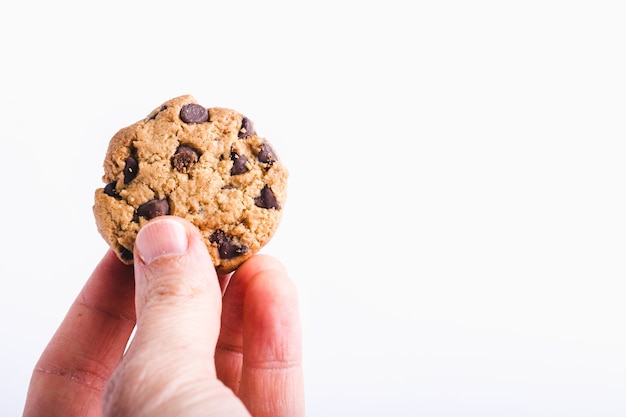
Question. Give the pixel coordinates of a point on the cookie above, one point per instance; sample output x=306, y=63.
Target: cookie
x=207, y=165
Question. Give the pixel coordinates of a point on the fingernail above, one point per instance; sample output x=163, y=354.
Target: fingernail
x=161, y=237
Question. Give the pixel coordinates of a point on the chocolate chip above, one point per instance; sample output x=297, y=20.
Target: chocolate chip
x=239, y=163
x=225, y=245
x=154, y=208
x=267, y=199
x=110, y=190
x=156, y=113
x=126, y=254
x=131, y=169
x=184, y=157
x=267, y=154
x=246, y=128
x=194, y=113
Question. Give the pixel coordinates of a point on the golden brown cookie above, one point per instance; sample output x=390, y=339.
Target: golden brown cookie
x=207, y=165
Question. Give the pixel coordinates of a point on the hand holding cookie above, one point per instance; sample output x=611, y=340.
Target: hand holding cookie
x=194, y=352
x=191, y=194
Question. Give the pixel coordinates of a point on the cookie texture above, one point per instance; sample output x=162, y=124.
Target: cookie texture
x=207, y=165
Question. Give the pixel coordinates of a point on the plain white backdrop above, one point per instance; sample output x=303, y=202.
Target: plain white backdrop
x=456, y=219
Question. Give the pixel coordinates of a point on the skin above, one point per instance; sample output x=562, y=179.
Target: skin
x=203, y=345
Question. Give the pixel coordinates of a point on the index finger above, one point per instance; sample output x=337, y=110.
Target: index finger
x=69, y=378
x=259, y=352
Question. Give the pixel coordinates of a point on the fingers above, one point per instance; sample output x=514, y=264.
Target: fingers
x=229, y=351
x=271, y=377
x=70, y=376
x=178, y=303
x=261, y=343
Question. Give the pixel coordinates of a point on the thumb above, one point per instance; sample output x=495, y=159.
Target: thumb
x=177, y=295
x=178, y=303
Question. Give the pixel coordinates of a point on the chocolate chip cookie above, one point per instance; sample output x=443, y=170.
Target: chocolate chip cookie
x=207, y=165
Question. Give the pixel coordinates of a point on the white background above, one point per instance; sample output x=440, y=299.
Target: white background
x=456, y=221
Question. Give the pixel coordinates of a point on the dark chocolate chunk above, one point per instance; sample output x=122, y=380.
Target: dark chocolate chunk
x=110, y=190
x=267, y=199
x=154, y=208
x=194, y=113
x=131, y=169
x=246, y=128
x=225, y=245
x=239, y=164
x=126, y=254
x=184, y=158
x=156, y=113
x=267, y=154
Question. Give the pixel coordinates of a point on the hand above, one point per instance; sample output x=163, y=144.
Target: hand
x=198, y=349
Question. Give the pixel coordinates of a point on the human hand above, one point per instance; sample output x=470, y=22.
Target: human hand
x=194, y=352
